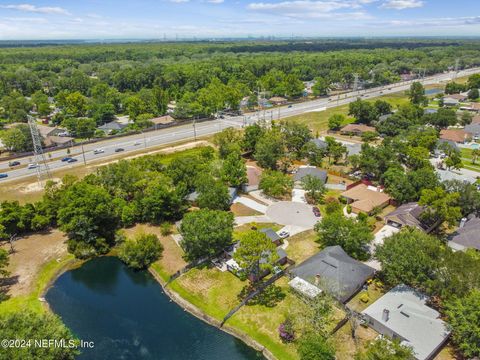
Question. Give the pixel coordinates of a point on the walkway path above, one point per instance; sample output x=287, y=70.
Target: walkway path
x=252, y=204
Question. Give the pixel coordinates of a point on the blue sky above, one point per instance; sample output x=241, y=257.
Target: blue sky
x=109, y=19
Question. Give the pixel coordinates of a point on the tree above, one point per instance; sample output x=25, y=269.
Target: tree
x=466, y=118
x=141, y=252
x=320, y=88
x=255, y=254
x=313, y=153
x=440, y=206
x=269, y=149
x=213, y=195
x=85, y=128
x=314, y=188
x=417, y=94
x=76, y=104
x=226, y=140
x=351, y=234
x=315, y=347
x=275, y=184
x=205, y=233
x=26, y=324
x=296, y=135
x=251, y=136
x=383, y=107
x=335, y=149
x=469, y=199
x=87, y=214
x=385, y=349
x=399, y=185
x=363, y=111
x=409, y=257
x=42, y=105
x=3, y=263
x=17, y=139
x=464, y=318
x=234, y=170
x=473, y=94
x=335, y=121
x=474, y=81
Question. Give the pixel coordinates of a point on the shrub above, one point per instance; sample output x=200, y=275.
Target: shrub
x=286, y=331
x=166, y=229
x=349, y=209
x=141, y=252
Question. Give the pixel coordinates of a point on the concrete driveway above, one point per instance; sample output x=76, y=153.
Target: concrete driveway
x=252, y=204
x=292, y=213
x=298, y=195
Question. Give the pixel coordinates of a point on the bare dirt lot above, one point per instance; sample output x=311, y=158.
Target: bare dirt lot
x=31, y=253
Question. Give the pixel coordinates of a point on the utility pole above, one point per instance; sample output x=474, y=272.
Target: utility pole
x=83, y=154
x=40, y=161
x=457, y=65
x=194, y=131
x=355, y=82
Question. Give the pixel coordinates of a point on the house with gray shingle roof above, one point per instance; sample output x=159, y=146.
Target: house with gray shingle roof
x=409, y=214
x=309, y=170
x=403, y=314
x=467, y=236
x=334, y=271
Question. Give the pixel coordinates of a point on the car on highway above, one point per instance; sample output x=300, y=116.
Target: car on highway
x=65, y=159
x=13, y=163
x=32, y=166
x=72, y=160
x=316, y=211
x=98, y=151
x=119, y=149
x=3, y=176
x=136, y=143
x=289, y=106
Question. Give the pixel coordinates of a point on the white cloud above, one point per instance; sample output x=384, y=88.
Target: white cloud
x=402, y=4
x=314, y=9
x=215, y=1
x=179, y=1
x=36, y=9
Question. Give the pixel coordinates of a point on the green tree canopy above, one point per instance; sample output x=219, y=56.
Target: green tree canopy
x=141, y=252
x=275, y=183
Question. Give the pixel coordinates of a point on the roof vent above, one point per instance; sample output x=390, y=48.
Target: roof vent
x=385, y=315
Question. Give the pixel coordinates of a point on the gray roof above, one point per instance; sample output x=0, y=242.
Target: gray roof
x=453, y=144
x=320, y=143
x=193, y=196
x=272, y=235
x=112, y=125
x=311, y=170
x=468, y=236
x=408, y=215
x=473, y=128
x=334, y=271
x=411, y=319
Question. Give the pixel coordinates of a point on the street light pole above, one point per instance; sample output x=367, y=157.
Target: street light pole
x=194, y=131
x=83, y=154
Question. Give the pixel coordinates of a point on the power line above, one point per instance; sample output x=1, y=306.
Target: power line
x=43, y=172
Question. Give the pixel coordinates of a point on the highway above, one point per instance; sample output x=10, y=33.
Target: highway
x=175, y=134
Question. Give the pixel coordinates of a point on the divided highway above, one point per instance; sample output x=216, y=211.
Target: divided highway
x=131, y=143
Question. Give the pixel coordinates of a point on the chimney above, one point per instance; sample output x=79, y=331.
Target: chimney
x=317, y=280
x=385, y=315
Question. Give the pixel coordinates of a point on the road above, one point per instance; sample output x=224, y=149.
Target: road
x=186, y=132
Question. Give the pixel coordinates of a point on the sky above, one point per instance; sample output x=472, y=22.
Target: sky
x=171, y=19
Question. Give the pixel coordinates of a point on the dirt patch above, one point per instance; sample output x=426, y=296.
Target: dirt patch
x=171, y=260
x=31, y=253
x=238, y=209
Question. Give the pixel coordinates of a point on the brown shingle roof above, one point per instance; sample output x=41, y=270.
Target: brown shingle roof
x=364, y=199
x=456, y=135
x=357, y=128
x=162, y=120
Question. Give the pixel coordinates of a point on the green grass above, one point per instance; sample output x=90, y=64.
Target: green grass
x=44, y=277
x=467, y=160
x=318, y=121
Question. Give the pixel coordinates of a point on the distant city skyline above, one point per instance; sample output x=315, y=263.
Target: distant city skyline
x=171, y=19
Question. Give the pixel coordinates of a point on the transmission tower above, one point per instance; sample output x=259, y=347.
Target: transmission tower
x=457, y=65
x=355, y=82
x=43, y=172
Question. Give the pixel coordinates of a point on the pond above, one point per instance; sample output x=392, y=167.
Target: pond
x=433, y=91
x=128, y=316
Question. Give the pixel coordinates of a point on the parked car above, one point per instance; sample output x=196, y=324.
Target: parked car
x=14, y=163
x=3, y=176
x=32, y=166
x=284, y=234
x=72, y=160
x=316, y=211
x=66, y=159
x=98, y=151
x=119, y=149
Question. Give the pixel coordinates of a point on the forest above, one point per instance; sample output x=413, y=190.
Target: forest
x=81, y=86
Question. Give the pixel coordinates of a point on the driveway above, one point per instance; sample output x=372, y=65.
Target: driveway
x=292, y=213
x=298, y=195
x=241, y=220
x=252, y=204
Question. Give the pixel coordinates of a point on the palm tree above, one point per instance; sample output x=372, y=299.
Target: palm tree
x=475, y=155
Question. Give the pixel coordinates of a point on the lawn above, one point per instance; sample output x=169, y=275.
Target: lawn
x=369, y=296
x=318, y=121
x=302, y=246
x=467, y=160
x=238, y=209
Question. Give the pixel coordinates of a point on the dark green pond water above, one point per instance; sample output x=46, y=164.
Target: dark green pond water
x=128, y=316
